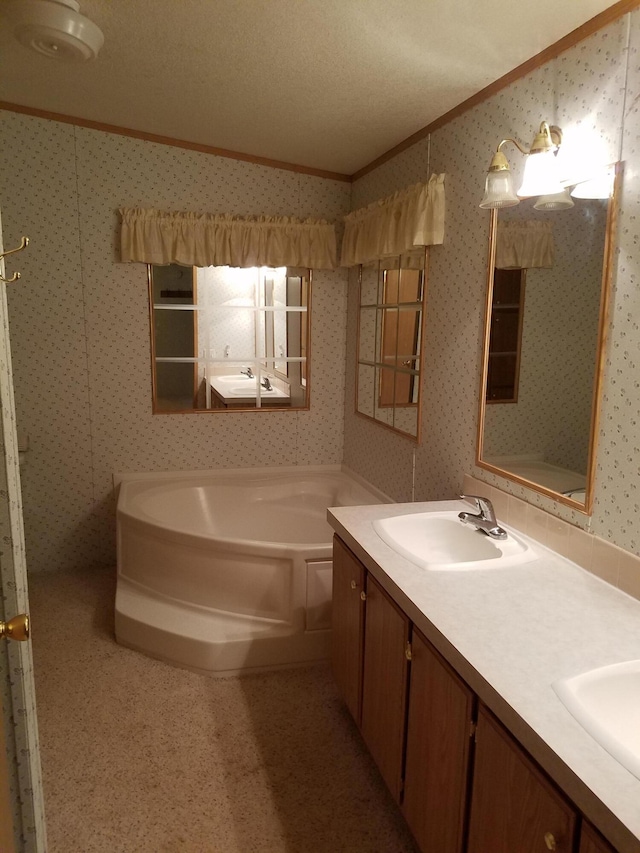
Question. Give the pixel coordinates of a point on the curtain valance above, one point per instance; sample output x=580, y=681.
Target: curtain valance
x=524, y=244
x=203, y=240
x=410, y=218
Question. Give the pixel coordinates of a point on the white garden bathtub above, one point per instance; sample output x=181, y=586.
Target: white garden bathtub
x=231, y=570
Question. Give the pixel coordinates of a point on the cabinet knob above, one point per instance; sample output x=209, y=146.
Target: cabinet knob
x=363, y=596
x=550, y=841
x=354, y=585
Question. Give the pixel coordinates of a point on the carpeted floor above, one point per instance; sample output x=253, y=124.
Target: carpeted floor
x=142, y=757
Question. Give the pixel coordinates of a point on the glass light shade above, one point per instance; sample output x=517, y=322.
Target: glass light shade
x=498, y=191
x=557, y=201
x=598, y=187
x=541, y=175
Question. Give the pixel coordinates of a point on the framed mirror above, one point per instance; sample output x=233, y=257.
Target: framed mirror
x=546, y=318
x=229, y=339
x=390, y=341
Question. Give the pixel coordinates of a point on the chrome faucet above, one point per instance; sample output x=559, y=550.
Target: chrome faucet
x=485, y=519
x=266, y=384
x=248, y=372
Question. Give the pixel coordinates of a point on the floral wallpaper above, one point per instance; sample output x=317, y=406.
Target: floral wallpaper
x=80, y=328
x=80, y=337
x=592, y=91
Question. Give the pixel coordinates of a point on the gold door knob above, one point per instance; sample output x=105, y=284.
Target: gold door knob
x=354, y=585
x=550, y=841
x=363, y=596
x=16, y=628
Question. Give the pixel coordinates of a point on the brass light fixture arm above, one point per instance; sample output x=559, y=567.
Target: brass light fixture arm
x=546, y=139
x=23, y=245
x=499, y=163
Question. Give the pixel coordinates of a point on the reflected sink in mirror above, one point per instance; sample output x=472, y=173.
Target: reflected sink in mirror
x=243, y=391
x=242, y=386
x=606, y=702
x=440, y=541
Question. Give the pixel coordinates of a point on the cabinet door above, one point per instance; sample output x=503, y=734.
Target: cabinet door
x=439, y=734
x=514, y=807
x=591, y=842
x=384, y=688
x=347, y=620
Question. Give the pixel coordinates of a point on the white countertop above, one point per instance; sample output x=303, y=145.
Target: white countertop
x=511, y=633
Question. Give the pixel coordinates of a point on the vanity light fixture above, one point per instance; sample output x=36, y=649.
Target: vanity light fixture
x=599, y=186
x=498, y=190
x=541, y=176
x=557, y=201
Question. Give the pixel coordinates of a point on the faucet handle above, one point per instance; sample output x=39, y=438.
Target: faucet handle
x=483, y=505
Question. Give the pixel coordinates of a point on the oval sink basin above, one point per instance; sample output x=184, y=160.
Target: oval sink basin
x=250, y=391
x=439, y=540
x=235, y=377
x=606, y=702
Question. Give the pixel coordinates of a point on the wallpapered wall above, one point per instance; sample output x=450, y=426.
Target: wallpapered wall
x=79, y=322
x=80, y=329
x=592, y=92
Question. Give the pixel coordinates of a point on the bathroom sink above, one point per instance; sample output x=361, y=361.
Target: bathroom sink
x=439, y=540
x=606, y=702
x=250, y=391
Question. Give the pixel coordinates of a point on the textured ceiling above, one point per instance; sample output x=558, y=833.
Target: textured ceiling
x=328, y=84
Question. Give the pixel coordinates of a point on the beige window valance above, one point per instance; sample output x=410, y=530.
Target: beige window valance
x=409, y=218
x=524, y=244
x=203, y=240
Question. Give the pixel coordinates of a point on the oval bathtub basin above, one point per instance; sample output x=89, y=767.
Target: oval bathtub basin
x=228, y=571
x=290, y=511
x=440, y=541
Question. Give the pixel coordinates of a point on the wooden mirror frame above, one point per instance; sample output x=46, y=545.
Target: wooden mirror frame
x=596, y=399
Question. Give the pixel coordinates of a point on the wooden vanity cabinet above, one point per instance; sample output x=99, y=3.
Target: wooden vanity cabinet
x=384, y=684
x=514, y=807
x=440, y=728
x=416, y=715
x=459, y=792
x=592, y=842
x=347, y=628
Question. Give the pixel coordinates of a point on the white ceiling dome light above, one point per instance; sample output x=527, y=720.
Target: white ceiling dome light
x=55, y=28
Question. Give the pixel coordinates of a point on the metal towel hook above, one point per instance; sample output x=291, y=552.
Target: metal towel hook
x=3, y=255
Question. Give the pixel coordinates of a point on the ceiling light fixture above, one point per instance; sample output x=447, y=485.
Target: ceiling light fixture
x=55, y=28
x=541, y=176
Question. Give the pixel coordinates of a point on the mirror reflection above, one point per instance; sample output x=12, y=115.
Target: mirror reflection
x=391, y=314
x=227, y=338
x=544, y=346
